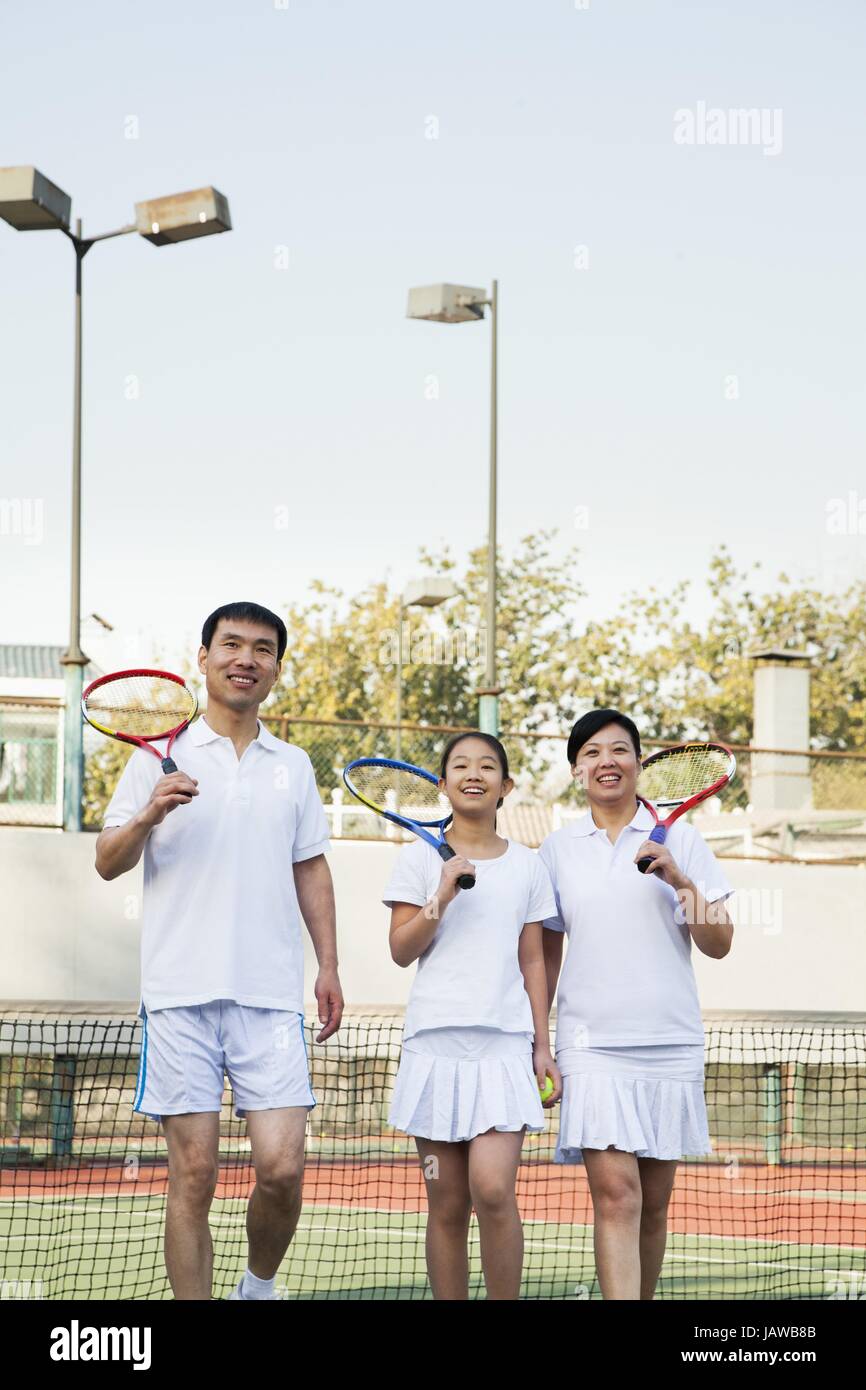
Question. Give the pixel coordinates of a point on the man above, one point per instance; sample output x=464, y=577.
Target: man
x=234, y=852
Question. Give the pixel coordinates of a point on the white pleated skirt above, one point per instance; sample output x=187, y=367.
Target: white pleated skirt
x=648, y=1101
x=455, y=1083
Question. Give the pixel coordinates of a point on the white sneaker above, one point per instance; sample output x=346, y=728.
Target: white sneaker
x=237, y=1295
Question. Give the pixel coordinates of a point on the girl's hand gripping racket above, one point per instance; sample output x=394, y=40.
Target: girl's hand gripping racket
x=407, y=796
x=676, y=779
x=140, y=706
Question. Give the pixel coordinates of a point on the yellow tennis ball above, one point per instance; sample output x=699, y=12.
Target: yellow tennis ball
x=546, y=1091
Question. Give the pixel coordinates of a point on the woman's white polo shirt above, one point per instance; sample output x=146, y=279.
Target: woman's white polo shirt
x=627, y=979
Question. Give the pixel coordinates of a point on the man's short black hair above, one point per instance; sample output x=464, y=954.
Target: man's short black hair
x=246, y=613
x=587, y=727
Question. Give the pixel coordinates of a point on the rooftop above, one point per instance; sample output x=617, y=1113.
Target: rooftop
x=26, y=662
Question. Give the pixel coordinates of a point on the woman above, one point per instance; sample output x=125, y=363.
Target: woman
x=476, y=1047
x=629, y=1036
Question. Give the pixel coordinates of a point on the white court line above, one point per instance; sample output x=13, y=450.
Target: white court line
x=777, y=1265
x=154, y=1218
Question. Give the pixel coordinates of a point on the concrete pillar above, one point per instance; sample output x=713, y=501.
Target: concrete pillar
x=781, y=720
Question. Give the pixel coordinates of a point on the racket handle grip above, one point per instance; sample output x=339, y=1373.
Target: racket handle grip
x=658, y=835
x=465, y=881
x=169, y=765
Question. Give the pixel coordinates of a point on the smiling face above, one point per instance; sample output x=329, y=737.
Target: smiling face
x=240, y=666
x=473, y=780
x=608, y=767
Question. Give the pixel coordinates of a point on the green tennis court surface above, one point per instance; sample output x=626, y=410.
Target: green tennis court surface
x=778, y=1210
x=341, y=1253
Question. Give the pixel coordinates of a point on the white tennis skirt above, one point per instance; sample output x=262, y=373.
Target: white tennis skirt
x=648, y=1101
x=454, y=1083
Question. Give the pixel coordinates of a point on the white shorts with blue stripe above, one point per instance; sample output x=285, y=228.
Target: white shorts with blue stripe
x=186, y=1053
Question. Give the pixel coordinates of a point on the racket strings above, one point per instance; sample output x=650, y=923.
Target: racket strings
x=145, y=706
x=683, y=773
x=396, y=790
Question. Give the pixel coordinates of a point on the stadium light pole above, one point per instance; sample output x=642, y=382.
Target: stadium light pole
x=29, y=202
x=420, y=593
x=462, y=304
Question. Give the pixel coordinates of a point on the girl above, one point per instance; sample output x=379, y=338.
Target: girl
x=476, y=1046
x=629, y=1036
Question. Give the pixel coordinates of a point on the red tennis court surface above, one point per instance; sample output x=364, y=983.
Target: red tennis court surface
x=808, y=1204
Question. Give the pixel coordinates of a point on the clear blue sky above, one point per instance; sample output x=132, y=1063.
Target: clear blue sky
x=305, y=387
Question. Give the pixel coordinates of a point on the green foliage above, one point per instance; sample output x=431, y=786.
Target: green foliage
x=341, y=657
x=104, y=760
x=675, y=679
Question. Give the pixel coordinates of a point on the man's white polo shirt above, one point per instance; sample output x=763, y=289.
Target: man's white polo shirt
x=220, y=916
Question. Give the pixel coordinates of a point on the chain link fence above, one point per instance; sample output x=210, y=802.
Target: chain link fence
x=31, y=791
x=783, y=803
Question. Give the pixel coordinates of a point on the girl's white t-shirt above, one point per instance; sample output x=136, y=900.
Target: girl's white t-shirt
x=627, y=979
x=469, y=974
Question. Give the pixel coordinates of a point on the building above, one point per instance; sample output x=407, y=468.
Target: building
x=31, y=734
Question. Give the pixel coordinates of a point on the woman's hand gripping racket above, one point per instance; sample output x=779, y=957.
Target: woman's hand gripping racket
x=407, y=796
x=676, y=779
x=139, y=707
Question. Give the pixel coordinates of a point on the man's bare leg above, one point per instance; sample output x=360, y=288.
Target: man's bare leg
x=277, y=1140
x=193, y=1167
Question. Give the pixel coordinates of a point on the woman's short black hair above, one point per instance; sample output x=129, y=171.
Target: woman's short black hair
x=589, y=725
x=498, y=748
x=245, y=613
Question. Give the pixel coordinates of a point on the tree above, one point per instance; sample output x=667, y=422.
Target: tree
x=693, y=683
x=341, y=657
x=675, y=680
x=104, y=760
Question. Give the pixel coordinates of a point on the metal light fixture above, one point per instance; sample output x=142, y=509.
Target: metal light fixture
x=30, y=202
x=463, y=304
x=182, y=216
x=419, y=593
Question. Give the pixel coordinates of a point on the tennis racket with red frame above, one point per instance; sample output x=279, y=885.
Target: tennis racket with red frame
x=677, y=779
x=139, y=707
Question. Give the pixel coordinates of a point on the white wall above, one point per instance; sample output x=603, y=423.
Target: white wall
x=781, y=720
x=65, y=934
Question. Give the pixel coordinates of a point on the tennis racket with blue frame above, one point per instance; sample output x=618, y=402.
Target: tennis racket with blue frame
x=407, y=796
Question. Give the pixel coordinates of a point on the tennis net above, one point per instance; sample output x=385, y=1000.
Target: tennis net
x=777, y=1211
